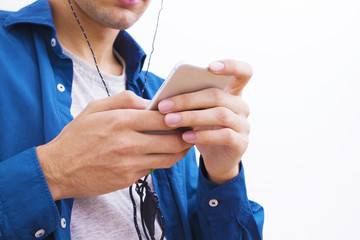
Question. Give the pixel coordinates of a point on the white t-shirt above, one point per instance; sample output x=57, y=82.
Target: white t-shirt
x=108, y=216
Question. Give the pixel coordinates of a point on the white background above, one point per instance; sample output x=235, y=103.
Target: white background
x=302, y=162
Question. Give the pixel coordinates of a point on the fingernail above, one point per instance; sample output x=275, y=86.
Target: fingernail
x=217, y=66
x=172, y=118
x=188, y=136
x=166, y=105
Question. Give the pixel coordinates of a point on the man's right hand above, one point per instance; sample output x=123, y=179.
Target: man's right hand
x=105, y=148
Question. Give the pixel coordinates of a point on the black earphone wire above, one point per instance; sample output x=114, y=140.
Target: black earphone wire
x=152, y=47
x=92, y=52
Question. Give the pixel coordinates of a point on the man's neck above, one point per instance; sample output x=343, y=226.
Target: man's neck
x=71, y=37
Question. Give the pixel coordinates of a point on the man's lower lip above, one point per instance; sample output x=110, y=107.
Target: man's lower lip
x=129, y=2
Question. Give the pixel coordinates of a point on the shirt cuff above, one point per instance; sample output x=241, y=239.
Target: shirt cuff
x=228, y=199
x=27, y=208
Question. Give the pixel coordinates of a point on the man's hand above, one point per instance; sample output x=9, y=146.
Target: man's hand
x=219, y=118
x=105, y=148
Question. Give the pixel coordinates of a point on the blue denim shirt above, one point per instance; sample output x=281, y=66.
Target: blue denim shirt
x=35, y=99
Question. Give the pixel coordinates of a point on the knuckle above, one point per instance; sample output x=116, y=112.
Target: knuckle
x=117, y=169
x=131, y=98
x=230, y=137
x=218, y=95
x=245, y=68
x=128, y=148
x=124, y=172
x=248, y=70
x=182, y=102
x=224, y=116
x=125, y=119
x=116, y=122
x=246, y=109
x=244, y=142
x=247, y=127
x=125, y=147
x=188, y=118
x=127, y=166
x=239, y=69
x=129, y=94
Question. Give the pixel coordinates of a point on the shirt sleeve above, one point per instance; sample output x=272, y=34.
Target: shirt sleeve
x=27, y=209
x=225, y=212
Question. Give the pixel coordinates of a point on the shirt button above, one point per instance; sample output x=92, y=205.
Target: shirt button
x=63, y=223
x=60, y=87
x=53, y=42
x=40, y=233
x=213, y=203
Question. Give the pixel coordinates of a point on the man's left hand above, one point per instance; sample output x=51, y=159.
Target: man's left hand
x=219, y=120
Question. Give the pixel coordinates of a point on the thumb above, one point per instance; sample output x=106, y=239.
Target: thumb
x=123, y=100
x=239, y=71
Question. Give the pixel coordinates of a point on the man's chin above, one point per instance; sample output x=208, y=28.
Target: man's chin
x=126, y=21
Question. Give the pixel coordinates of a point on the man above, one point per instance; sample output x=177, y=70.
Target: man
x=72, y=128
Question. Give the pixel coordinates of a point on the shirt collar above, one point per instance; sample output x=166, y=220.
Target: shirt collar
x=39, y=13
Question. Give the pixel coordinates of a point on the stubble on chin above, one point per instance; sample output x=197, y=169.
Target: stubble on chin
x=111, y=18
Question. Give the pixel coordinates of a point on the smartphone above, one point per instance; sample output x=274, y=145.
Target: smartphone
x=187, y=78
